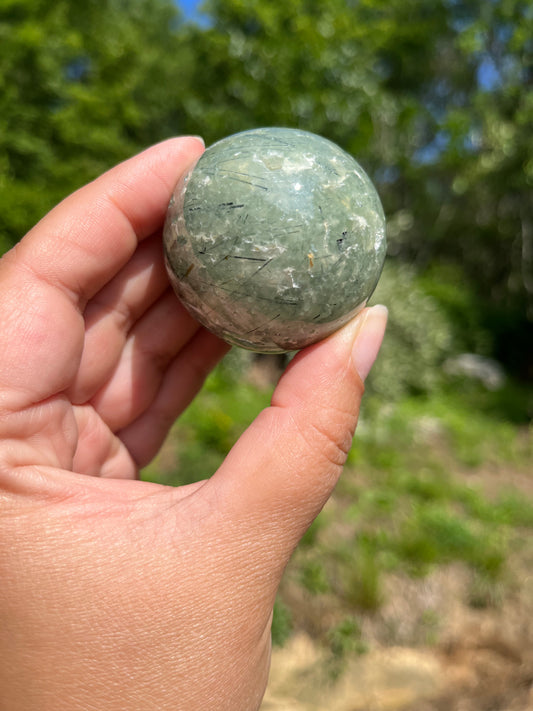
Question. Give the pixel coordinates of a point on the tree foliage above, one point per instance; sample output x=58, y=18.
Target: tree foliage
x=82, y=86
x=434, y=97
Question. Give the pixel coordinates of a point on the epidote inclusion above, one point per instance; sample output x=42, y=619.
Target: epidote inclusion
x=274, y=239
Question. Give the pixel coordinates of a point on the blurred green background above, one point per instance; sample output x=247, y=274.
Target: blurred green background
x=435, y=99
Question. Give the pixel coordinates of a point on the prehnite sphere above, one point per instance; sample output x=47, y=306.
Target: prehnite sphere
x=274, y=239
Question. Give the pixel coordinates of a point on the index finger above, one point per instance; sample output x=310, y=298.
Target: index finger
x=83, y=242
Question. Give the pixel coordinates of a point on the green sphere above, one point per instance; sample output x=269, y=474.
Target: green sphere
x=274, y=239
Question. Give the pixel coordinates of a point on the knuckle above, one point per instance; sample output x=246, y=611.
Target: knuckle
x=329, y=434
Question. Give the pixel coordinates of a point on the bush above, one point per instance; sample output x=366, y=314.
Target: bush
x=419, y=337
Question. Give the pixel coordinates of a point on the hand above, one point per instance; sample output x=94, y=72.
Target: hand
x=117, y=593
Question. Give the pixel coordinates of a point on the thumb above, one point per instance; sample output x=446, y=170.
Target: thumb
x=284, y=467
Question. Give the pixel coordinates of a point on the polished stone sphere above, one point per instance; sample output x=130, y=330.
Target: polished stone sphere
x=274, y=239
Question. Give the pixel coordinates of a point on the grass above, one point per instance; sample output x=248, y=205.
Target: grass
x=344, y=640
x=281, y=623
x=411, y=499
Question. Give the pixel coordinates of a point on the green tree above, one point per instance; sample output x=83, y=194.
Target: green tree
x=82, y=86
x=488, y=156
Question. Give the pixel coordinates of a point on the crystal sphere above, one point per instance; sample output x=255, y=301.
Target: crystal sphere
x=274, y=239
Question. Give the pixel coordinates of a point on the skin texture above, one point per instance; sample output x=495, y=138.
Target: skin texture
x=117, y=593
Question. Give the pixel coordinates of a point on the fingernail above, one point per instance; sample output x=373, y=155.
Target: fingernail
x=368, y=340
x=200, y=139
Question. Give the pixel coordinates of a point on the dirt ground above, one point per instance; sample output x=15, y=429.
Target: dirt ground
x=482, y=661
x=465, y=658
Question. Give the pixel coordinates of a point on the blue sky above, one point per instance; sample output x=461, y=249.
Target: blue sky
x=189, y=7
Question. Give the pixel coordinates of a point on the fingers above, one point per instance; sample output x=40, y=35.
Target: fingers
x=150, y=347
x=112, y=313
x=68, y=257
x=150, y=373
x=81, y=244
x=99, y=453
x=285, y=466
x=181, y=382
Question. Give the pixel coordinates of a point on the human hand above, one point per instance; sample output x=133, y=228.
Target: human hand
x=117, y=593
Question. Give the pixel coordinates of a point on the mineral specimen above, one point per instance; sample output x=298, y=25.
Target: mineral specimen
x=274, y=239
